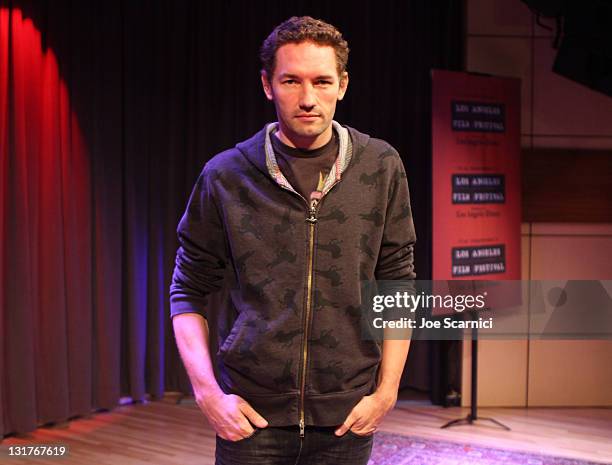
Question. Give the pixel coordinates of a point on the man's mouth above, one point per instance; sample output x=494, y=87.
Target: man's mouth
x=307, y=116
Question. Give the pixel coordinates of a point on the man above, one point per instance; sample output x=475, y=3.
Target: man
x=278, y=233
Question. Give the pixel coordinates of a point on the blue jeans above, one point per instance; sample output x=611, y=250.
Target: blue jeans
x=283, y=446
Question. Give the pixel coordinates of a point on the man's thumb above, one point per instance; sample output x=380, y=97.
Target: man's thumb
x=254, y=417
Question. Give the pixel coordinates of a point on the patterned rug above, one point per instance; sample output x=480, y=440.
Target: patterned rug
x=394, y=449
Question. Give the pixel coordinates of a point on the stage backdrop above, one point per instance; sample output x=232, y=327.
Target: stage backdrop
x=476, y=177
x=108, y=111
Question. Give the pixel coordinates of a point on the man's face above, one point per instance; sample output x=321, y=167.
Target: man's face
x=305, y=88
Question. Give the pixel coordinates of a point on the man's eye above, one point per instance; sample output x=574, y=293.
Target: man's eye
x=323, y=83
x=289, y=81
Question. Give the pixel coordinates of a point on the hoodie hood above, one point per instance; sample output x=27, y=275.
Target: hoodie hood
x=258, y=151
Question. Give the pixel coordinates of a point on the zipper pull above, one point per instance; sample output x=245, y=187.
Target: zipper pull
x=301, y=428
x=313, y=211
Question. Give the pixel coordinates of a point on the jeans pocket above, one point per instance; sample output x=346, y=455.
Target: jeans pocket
x=359, y=436
x=255, y=432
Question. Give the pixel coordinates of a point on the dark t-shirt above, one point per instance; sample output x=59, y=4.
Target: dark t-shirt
x=306, y=170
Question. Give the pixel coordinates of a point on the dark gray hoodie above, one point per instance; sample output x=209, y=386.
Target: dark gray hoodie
x=278, y=277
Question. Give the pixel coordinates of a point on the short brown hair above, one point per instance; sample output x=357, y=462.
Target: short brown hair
x=300, y=29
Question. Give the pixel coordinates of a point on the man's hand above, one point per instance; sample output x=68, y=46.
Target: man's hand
x=230, y=415
x=365, y=417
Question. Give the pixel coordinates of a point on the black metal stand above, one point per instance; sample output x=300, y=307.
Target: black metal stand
x=473, y=415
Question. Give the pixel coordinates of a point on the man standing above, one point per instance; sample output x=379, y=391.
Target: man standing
x=277, y=236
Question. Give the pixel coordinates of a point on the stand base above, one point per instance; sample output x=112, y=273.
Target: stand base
x=468, y=420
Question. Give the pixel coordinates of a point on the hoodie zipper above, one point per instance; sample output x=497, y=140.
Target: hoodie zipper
x=311, y=220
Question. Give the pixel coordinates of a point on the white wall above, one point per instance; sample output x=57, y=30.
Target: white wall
x=503, y=39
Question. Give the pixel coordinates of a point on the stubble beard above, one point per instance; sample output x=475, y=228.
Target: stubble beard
x=308, y=131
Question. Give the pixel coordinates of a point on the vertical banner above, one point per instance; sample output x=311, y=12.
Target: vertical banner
x=476, y=177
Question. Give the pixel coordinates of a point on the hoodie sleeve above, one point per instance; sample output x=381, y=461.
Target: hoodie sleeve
x=396, y=257
x=201, y=259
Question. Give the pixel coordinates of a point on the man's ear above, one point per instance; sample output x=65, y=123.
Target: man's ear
x=344, y=80
x=267, y=85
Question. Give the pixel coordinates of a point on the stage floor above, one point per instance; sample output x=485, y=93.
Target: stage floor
x=167, y=433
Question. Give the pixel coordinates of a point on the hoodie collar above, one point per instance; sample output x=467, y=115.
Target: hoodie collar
x=345, y=152
x=254, y=150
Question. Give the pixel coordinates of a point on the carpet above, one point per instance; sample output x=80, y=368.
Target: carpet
x=395, y=449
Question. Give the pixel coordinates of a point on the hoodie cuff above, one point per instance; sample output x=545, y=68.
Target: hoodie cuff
x=179, y=306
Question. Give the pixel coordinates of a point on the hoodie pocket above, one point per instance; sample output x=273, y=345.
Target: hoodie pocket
x=256, y=363
x=233, y=335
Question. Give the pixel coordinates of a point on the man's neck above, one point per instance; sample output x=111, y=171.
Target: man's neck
x=305, y=143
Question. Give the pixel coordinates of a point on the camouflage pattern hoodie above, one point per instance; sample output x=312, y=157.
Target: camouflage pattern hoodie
x=277, y=276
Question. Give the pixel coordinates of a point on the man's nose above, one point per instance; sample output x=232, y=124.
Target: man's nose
x=307, y=97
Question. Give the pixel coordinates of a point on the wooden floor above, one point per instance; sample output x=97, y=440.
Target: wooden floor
x=164, y=433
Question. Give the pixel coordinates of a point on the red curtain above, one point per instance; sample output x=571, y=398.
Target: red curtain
x=45, y=242
x=91, y=191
